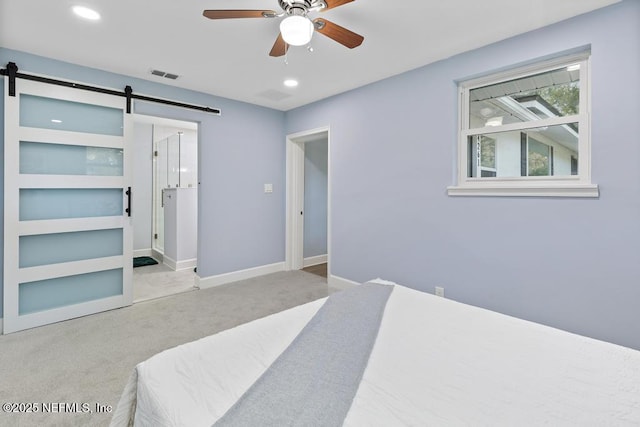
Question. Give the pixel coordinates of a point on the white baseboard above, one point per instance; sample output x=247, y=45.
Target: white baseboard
x=179, y=265
x=234, y=276
x=169, y=262
x=142, y=252
x=314, y=260
x=158, y=256
x=340, y=283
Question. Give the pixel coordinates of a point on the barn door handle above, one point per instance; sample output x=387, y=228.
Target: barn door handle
x=128, y=193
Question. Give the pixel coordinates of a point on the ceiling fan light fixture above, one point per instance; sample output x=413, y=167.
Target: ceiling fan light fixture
x=296, y=30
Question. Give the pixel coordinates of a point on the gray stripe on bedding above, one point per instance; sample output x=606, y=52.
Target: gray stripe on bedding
x=313, y=382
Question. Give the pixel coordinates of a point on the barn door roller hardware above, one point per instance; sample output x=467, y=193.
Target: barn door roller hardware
x=11, y=71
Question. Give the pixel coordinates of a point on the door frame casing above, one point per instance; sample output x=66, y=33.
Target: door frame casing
x=294, y=238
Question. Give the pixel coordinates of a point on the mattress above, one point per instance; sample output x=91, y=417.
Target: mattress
x=434, y=362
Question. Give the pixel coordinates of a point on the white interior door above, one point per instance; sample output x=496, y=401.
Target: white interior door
x=67, y=225
x=294, y=256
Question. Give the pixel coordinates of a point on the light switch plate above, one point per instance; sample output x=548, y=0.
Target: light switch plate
x=268, y=188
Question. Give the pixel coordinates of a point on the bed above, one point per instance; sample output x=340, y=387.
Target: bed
x=431, y=361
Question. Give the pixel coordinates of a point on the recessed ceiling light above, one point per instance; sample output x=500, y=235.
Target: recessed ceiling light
x=291, y=83
x=86, y=13
x=56, y=121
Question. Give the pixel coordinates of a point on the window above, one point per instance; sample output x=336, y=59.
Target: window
x=525, y=132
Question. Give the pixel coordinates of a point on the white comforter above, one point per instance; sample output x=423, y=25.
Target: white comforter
x=435, y=362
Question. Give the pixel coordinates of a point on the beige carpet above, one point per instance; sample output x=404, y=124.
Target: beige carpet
x=88, y=360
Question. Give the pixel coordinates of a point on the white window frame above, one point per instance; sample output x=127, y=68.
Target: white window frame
x=552, y=186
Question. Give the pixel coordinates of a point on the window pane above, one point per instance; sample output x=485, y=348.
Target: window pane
x=547, y=151
x=64, y=291
x=49, y=113
x=65, y=247
x=58, y=159
x=553, y=93
x=36, y=203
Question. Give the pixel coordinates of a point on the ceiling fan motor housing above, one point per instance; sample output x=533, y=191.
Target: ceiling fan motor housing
x=301, y=7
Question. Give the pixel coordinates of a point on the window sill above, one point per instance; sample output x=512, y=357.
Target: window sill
x=525, y=190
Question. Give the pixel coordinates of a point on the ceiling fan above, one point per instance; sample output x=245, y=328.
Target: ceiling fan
x=296, y=29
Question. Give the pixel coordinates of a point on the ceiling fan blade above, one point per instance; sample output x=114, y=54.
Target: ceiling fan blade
x=336, y=32
x=228, y=14
x=335, y=3
x=280, y=47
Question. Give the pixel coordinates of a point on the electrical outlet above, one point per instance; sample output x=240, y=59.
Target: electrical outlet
x=439, y=291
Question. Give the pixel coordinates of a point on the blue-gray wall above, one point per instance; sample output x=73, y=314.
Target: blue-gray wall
x=239, y=226
x=573, y=264
x=315, y=197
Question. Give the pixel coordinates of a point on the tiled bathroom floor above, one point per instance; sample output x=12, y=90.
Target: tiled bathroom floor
x=155, y=281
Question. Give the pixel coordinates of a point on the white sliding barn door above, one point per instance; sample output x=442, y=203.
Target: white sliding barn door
x=67, y=232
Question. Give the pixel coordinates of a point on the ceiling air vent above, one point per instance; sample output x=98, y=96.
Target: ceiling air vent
x=164, y=74
x=274, y=95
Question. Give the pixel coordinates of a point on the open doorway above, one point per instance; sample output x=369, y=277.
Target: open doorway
x=308, y=201
x=165, y=207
